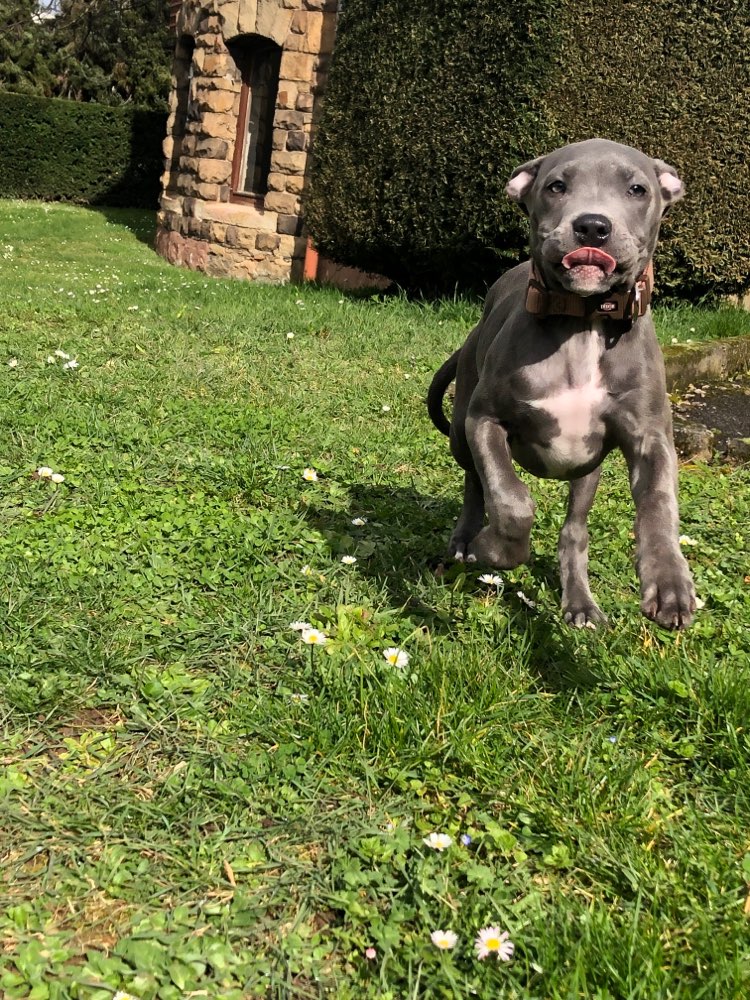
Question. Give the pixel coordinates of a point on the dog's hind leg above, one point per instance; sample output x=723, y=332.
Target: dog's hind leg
x=471, y=519
x=579, y=607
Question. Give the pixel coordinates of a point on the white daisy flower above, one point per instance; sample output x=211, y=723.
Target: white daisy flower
x=290, y=336
x=300, y=626
x=122, y=995
x=438, y=841
x=359, y=522
x=348, y=560
x=310, y=475
x=299, y=699
x=62, y=354
x=444, y=940
x=699, y=603
x=687, y=540
x=385, y=408
x=491, y=579
x=526, y=600
x=306, y=570
x=490, y=941
x=13, y=363
x=57, y=477
x=50, y=359
x=44, y=472
x=70, y=365
x=396, y=657
x=314, y=637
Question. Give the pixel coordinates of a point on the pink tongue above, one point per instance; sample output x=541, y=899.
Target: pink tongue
x=589, y=256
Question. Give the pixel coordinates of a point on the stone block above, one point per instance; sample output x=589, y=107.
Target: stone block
x=283, y=202
x=296, y=141
x=287, y=97
x=295, y=183
x=213, y=171
x=245, y=216
x=289, y=225
x=288, y=119
x=219, y=101
x=304, y=102
x=171, y=205
x=195, y=189
x=288, y=163
x=292, y=246
x=267, y=241
x=215, y=64
x=296, y=66
x=217, y=126
x=215, y=149
x=311, y=32
x=271, y=21
x=277, y=182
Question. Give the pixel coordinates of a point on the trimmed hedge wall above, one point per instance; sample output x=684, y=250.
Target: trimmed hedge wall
x=432, y=103
x=66, y=151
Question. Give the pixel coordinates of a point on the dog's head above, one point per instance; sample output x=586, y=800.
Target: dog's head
x=595, y=208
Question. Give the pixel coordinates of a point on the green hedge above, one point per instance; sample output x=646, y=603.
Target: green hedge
x=87, y=153
x=432, y=103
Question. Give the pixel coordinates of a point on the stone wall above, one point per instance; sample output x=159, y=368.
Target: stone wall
x=201, y=223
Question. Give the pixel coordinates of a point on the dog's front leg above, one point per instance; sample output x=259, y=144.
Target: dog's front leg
x=579, y=607
x=667, y=591
x=504, y=542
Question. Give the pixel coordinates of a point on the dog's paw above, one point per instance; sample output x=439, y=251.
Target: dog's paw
x=584, y=615
x=501, y=552
x=670, y=600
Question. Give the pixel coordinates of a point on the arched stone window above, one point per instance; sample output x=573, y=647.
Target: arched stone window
x=258, y=60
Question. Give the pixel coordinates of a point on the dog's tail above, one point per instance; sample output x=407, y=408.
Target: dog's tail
x=443, y=378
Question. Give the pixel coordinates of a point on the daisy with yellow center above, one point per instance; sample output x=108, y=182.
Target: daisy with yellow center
x=490, y=941
x=438, y=841
x=310, y=475
x=396, y=657
x=348, y=560
x=444, y=940
x=314, y=637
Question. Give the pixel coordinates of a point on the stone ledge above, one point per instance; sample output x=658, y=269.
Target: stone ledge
x=688, y=364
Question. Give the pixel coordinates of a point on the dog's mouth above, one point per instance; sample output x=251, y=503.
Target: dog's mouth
x=588, y=265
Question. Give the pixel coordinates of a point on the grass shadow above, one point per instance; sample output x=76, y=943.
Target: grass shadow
x=141, y=222
x=411, y=531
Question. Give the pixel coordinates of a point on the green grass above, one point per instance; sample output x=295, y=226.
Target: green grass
x=193, y=803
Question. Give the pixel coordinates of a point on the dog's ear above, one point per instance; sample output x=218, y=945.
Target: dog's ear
x=670, y=185
x=521, y=180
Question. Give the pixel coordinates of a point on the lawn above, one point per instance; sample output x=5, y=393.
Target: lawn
x=195, y=803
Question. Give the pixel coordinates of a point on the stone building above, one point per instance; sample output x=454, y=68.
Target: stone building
x=247, y=87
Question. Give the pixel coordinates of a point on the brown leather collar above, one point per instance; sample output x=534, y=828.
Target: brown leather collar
x=619, y=305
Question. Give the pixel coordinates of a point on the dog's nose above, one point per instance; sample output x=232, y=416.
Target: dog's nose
x=592, y=230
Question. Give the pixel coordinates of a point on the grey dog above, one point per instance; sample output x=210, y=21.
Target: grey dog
x=563, y=367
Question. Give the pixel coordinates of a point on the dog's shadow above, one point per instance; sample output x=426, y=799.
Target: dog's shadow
x=404, y=541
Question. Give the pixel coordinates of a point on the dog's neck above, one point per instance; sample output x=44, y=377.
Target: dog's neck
x=628, y=306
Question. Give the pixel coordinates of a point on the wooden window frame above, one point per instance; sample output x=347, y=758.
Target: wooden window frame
x=236, y=195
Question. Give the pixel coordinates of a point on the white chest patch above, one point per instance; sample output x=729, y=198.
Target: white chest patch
x=577, y=411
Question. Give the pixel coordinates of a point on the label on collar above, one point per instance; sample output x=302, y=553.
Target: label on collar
x=608, y=306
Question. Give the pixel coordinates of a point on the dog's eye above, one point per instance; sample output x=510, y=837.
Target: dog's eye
x=557, y=187
x=636, y=191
